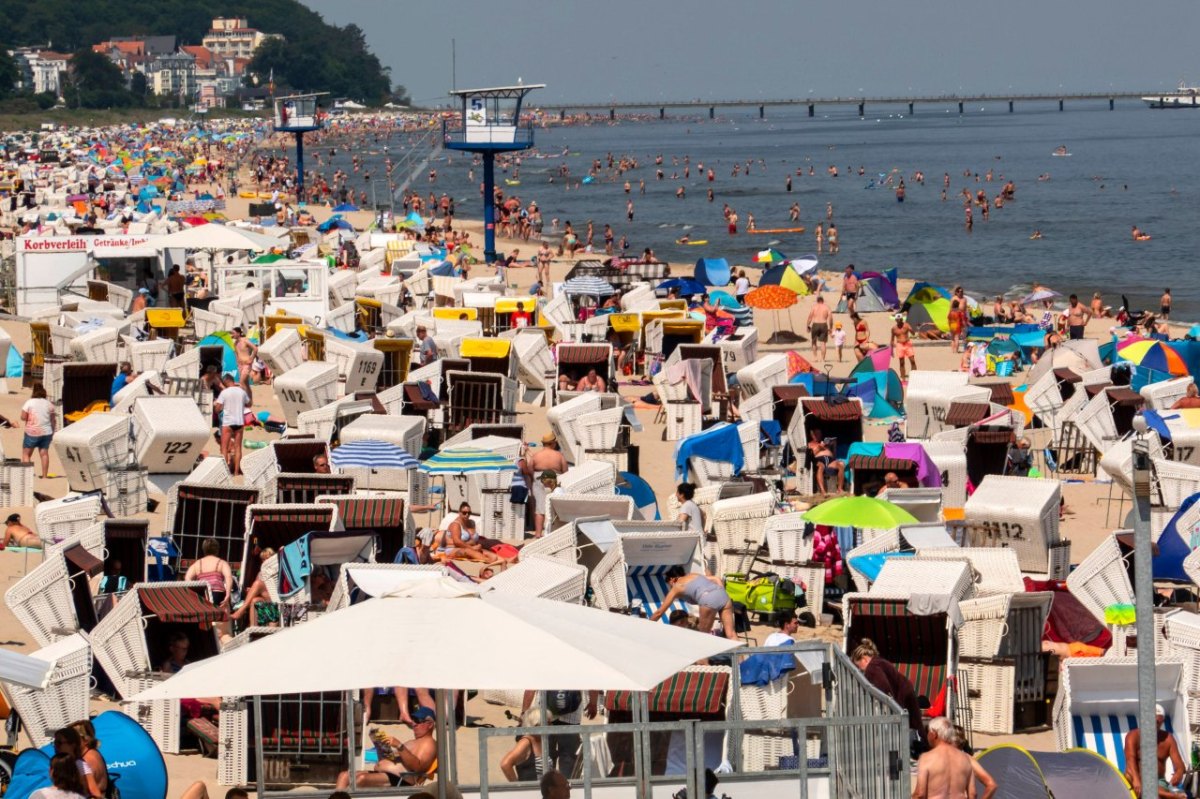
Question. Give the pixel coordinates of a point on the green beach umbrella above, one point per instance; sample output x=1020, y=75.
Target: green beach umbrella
x=859, y=512
x=467, y=461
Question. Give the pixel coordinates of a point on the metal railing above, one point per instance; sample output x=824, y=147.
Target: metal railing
x=496, y=131
x=869, y=758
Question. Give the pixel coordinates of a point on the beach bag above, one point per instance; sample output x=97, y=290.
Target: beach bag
x=766, y=594
x=506, y=551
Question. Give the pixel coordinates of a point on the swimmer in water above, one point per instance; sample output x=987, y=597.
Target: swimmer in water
x=1037, y=234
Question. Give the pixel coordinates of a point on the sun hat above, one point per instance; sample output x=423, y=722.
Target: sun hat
x=549, y=438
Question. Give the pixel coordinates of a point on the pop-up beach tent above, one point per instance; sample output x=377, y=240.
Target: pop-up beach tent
x=712, y=271
x=1074, y=774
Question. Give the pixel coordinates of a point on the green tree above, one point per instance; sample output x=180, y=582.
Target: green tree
x=94, y=81
x=9, y=74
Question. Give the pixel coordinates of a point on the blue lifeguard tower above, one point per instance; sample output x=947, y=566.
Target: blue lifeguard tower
x=490, y=124
x=298, y=114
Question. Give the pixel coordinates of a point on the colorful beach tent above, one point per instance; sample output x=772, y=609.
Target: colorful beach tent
x=684, y=286
x=228, y=356
x=883, y=284
x=130, y=752
x=1074, y=774
x=928, y=473
x=875, y=294
x=928, y=304
x=712, y=271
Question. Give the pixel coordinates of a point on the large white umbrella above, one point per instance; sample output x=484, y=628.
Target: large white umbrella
x=447, y=634
x=218, y=237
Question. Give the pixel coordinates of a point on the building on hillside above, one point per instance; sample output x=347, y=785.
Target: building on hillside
x=233, y=37
x=130, y=55
x=40, y=70
x=151, y=45
x=173, y=75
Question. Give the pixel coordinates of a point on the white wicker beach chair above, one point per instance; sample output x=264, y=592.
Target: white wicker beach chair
x=564, y=508
x=1097, y=705
x=1181, y=634
x=928, y=396
x=763, y=749
x=560, y=543
x=634, y=568
x=994, y=571
x=564, y=417
x=544, y=577
x=598, y=431
x=1102, y=578
x=589, y=477
x=758, y=407
x=42, y=600
x=1172, y=482
x=738, y=526
x=763, y=373
x=148, y=356
x=63, y=700
x=790, y=554
x=1016, y=512
x=96, y=346
x=1162, y=395
x=59, y=519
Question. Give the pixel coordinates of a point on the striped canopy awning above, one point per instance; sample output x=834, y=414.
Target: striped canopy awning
x=1005, y=436
x=1126, y=396
x=467, y=461
x=880, y=464
x=685, y=692
x=588, y=286
x=1002, y=393
x=247, y=496
x=827, y=411
x=300, y=516
x=962, y=414
x=178, y=603
x=583, y=353
x=369, y=513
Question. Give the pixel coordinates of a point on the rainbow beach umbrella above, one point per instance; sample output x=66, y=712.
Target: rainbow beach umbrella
x=769, y=256
x=1152, y=354
x=467, y=461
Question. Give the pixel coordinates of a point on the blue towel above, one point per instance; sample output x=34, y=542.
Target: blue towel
x=762, y=669
x=770, y=431
x=1158, y=423
x=718, y=443
x=294, y=566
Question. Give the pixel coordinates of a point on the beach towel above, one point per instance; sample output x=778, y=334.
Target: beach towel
x=689, y=370
x=770, y=432
x=1070, y=621
x=763, y=669
x=719, y=443
x=295, y=566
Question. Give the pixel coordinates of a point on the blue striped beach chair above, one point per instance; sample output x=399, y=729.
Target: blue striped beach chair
x=649, y=584
x=1105, y=734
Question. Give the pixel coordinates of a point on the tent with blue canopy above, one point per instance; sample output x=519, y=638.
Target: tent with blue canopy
x=343, y=207
x=712, y=271
x=132, y=758
x=1190, y=352
x=228, y=356
x=16, y=364
x=335, y=222
x=684, y=286
x=444, y=269
x=635, y=487
x=880, y=391
x=884, y=285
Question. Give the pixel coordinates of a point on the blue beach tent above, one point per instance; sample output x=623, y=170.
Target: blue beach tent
x=712, y=271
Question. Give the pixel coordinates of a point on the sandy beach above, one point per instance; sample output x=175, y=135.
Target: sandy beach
x=1087, y=520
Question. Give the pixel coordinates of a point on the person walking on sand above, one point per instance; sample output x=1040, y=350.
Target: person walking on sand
x=818, y=327
x=850, y=289
x=862, y=336
x=902, y=345
x=947, y=772
x=231, y=405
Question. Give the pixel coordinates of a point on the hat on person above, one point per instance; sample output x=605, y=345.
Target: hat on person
x=549, y=474
x=1158, y=711
x=837, y=325
x=422, y=714
x=143, y=291
x=549, y=438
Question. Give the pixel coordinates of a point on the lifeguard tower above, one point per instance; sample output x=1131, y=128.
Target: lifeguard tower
x=490, y=124
x=298, y=114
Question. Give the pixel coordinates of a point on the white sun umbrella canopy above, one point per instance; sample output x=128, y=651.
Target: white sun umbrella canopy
x=218, y=237
x=515, y=643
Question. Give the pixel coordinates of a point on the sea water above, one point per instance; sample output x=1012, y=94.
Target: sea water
x=1129, y=166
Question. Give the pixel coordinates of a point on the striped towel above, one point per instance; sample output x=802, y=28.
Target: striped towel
x=649, y=584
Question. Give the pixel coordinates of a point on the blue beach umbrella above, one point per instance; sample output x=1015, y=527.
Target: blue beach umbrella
x=372, y=455
x=723, y=299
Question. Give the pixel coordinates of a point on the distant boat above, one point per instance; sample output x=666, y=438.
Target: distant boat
x=1183, y=97
x=1061, y=151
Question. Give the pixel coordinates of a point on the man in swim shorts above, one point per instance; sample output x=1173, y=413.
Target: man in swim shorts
x=818, y=327
x=1077, y=318
x=902, y=345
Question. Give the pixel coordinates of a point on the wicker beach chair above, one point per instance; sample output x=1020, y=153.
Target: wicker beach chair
x=1097, y=704
x=1102, y=578
x=634, y=568
x=1020, y=513
x=359, y=581
x=64, y=698
x=1162, y=395
x=790, y=556
x=763, y=373
x=738, y=530
x=563, y=508
x=544, y=577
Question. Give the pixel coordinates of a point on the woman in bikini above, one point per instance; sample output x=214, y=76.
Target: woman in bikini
x=214, y=570
x=862, y=336
x=460, y=540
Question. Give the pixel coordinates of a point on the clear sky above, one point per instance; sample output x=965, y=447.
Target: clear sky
x=649, y=50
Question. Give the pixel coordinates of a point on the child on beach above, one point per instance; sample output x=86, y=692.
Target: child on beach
x=839, y=339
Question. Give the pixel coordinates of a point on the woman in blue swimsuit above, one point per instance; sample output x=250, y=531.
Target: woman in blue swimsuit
x=702, y=591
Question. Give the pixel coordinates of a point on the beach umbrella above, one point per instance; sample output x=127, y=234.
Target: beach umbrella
x=771, y=298
x=1152, y=355
x=797, y=364
x=775, y=299
x=466, y=461
x=769, y=256
x=526, y=642
x=371, y=454
x=636, y=487
x=859, y=512
x=1040, y=295
x=803, y=264
x=686, y=286
x=217, y=237
x=590, y=286
x=783, y=275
